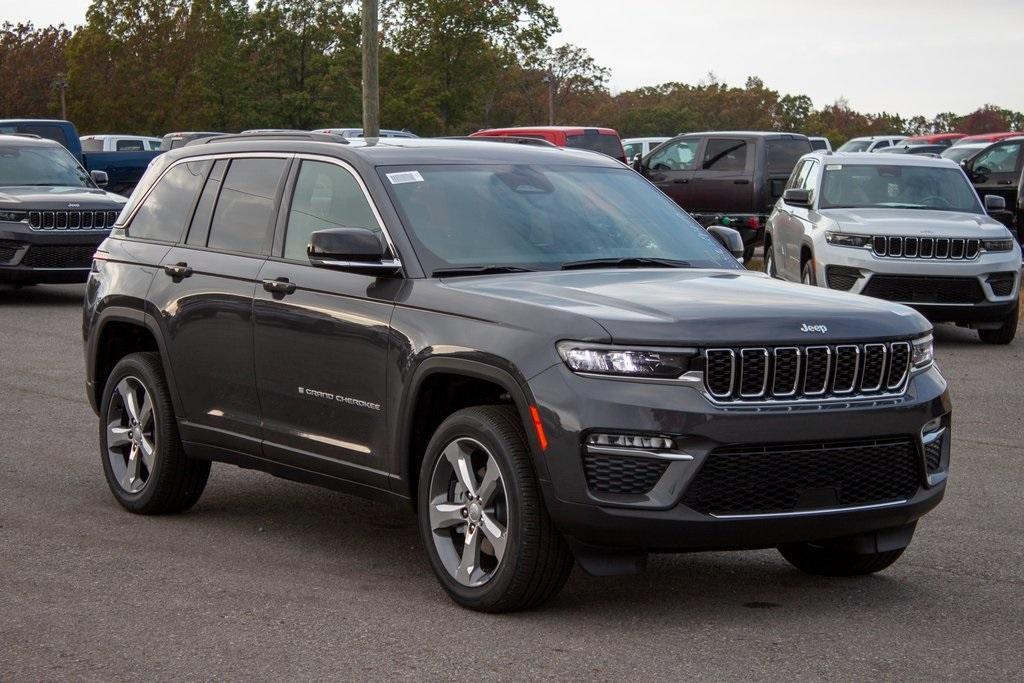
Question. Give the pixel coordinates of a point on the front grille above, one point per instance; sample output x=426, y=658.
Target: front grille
x=619, y=474
x=1002, y=283
x=59, y=256
x=806, y=372
x=841, y=277
x=955, y=248
x=753, y=479
x=925, y=290
x=71, y=220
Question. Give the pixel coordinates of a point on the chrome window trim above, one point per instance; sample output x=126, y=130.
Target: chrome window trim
x=828, y=371
x=743, y=371
x=856, y=369
x=796, y=376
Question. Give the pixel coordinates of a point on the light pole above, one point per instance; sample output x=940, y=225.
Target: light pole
x=371, y=72
x=552, y=83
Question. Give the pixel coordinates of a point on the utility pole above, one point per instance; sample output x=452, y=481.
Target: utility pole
x=552, y=83
x=61, y=84
x=371, y=73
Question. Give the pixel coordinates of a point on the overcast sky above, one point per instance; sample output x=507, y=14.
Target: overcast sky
x=903, y=56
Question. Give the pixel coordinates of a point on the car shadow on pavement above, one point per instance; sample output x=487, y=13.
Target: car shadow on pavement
x=41, y=295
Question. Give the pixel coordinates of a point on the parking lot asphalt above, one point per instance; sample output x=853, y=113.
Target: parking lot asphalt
x=270, y=579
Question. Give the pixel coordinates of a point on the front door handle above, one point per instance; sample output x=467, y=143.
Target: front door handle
x=279, y=286
x=681, y=181
x=741, y=181
x=1005, y=182
x=178, y=270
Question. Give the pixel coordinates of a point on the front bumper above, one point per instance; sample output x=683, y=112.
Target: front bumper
x=992, y=307
x=660, y=521
x=64, y=260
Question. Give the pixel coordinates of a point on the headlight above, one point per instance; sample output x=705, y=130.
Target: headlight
x=997, y=245
x=923, y=352
x=13, y=216
x=602, y=359
x=842, y=239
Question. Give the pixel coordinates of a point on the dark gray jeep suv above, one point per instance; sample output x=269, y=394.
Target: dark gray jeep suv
x=534, y=348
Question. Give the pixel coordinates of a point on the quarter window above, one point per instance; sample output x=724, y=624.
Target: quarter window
x=245, y=212
x=326, y=196
x=164, y=211
x=725, y=155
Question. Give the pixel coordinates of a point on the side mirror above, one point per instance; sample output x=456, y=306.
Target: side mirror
x=796, y=196
x=356, y=250
x=100, y=178
x=729, y=238
x=638, y=163
x=994, y=202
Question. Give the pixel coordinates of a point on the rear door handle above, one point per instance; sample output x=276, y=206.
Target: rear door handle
x=1005, y=182
x=742, y=181
x=279, y=286
x=178, y=270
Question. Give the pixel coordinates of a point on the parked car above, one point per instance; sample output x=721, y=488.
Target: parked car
x=358, y=132
x=641, y=146
x=995, y=170
x=987, y=137
x=176, y=140
x=908, y=229
x=119, y=143
x=820, y=143
x=726, y=178
x=870, y=143
x=53, y=213
x=123, y=169
x=941, y=139
x=962, y=152
x=904, y=148
x=604, y=140
x=533, y=348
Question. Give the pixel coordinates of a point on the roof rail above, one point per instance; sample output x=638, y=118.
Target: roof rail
x=297, y=135
x=26, y=135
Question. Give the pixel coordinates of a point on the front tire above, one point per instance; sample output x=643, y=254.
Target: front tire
x=487, y=533
x=824, y=560
x=807, y=274
x=769, y=260
x=143, y=460
x=1005, y=333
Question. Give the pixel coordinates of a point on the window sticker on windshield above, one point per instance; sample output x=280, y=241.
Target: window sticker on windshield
x=834, y=167
x=405, y=177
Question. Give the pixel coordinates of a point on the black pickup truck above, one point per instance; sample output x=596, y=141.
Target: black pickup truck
x=726, y=178
x=123, y=169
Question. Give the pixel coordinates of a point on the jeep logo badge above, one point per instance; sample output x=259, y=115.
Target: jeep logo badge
x=813, y=328
x=73, y=206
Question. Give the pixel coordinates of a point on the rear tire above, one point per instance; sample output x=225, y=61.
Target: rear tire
x=823, y=560
x=807, y=274
x=143, y=460
x=525, y=564
x=1003, y=334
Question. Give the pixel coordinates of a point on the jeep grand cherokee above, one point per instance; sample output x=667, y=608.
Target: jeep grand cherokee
x=534, y=348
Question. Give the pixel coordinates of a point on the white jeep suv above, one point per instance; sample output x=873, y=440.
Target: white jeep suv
x=903, y=228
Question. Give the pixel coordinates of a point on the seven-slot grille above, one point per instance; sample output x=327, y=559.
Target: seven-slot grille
x=806, y=372
x=71, y=220
x=958, y=248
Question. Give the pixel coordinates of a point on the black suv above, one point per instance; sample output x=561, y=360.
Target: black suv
x=53, y=213
x=533, y=347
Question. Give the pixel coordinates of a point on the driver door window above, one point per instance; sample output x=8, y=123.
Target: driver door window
x=1001, y=159
x=676, y=156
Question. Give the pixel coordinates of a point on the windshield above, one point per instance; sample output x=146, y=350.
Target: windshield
x=606, y=144
x=542, y=217
x=896, y=187
x=855, y=146
x=37, y=165
x=960, y=153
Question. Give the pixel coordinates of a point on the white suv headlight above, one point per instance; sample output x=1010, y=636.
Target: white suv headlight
x=845, y=239
x=603, y=359
x=922, y=353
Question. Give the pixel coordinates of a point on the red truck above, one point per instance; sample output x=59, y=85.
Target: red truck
x=604, y=140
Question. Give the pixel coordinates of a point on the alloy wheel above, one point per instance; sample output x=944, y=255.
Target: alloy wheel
x=131, y=435
x=469, y=516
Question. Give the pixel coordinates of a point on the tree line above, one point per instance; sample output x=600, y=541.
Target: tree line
x=447, y=67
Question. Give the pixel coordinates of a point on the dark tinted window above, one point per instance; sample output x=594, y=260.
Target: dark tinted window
x=818, y=144
x=725, y=155
x=164, y=211
x=326, y=196
x=200, y=229
x=44, y=130
x=606, y=144
x=783, y=154
x=129, y=145
x=245, y=209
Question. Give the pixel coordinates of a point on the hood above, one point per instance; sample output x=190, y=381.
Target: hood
x=699, y=307
x=33, y=197
x=918, y=222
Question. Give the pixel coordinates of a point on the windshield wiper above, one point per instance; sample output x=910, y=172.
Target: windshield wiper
x=627, y=262
x=479, y=270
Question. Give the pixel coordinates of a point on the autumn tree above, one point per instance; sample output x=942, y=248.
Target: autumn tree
x=31, y=64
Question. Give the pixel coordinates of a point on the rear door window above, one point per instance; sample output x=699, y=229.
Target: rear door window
x=326, y=196
x=722, y=154
x=167, y=207
x=245, y=212
x=600, y=142
x=783, y=154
